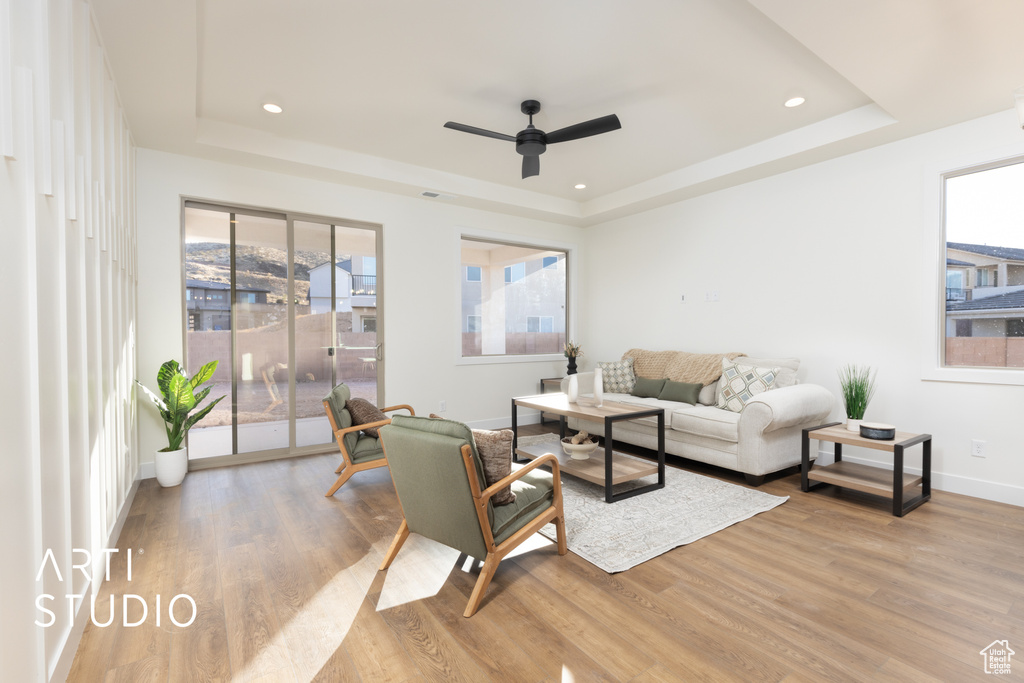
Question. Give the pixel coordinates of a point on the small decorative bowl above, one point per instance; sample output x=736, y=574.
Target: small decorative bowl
x=876, y=430
x=578, y=451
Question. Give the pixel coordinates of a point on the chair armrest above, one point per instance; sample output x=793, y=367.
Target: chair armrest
x=799, y=404
x=359, y=428
x=546, y=459
x=399, y=407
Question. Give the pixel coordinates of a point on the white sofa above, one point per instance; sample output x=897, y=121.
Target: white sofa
x=762, y=438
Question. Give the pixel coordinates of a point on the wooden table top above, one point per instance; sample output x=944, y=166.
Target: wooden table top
x=559, y=405
x=840, y=434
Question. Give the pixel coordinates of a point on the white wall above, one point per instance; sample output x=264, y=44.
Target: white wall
x=68, y=283
x=827, y=263
x=421, y=280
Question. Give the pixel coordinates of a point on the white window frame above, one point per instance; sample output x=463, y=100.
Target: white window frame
x=934, y=253
x=571, y=257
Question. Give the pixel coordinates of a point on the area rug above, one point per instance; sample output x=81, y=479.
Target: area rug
x=621, y=535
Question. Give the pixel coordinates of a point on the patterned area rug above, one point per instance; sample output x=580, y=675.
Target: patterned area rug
x=621, y=535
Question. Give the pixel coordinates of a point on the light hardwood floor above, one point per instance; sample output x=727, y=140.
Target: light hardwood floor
x=828, y=586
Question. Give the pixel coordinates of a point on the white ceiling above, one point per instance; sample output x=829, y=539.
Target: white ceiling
x=697, y=84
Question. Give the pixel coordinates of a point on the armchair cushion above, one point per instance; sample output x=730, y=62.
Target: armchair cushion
x=363, y=412
x=495, y=448
x=534, y=493
x=366, y=449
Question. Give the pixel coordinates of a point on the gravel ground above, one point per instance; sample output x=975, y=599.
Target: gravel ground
x=255, y=401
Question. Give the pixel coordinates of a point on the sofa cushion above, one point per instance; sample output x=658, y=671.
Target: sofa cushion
x=618, y=375
x=647, y=388
x=787, y=367
x=707, y=421
x=684, y=392
x=740, y=383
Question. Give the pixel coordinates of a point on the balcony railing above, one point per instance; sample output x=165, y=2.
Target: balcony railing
x=364, y=285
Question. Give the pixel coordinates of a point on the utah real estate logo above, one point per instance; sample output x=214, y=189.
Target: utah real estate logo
x=997, y=657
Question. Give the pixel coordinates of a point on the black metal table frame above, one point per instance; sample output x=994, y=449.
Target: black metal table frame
x=609, y=420
x=899, y=508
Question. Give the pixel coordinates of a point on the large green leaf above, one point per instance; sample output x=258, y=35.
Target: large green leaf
x=167, y=371
x=204, y=374
x=203, y=394
x=180, y=399
x=157, y=401
x=201, y=414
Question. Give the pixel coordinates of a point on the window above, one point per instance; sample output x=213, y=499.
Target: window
x=522, y=314
x=515, y=273
x=983, y=209
x=370, y=324
x=473, y=273
x=536, y=323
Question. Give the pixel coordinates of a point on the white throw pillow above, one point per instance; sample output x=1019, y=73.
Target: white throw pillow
x=740, y=383
x=618, y=376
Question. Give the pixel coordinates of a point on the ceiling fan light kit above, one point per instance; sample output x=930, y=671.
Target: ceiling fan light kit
x=531, y=142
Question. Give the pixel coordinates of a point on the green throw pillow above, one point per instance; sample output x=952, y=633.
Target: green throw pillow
x=648, y=388
x=684, y=392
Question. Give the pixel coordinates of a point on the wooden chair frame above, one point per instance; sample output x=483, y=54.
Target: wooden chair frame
x=497, y=552
x=347, y=467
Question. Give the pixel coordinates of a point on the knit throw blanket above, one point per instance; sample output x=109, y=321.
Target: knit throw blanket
x=679, y=366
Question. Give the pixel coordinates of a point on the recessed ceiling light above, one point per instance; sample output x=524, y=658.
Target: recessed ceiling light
x=580, y=186
x=794, y=101
x=276, y=109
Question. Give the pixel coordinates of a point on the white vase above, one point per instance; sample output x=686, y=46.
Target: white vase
x=171, y=466
x=853, y=425
x=574, y=388
x=598, y=386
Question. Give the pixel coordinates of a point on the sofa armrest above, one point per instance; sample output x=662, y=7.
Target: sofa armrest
x=586, y=383
x=800, y=404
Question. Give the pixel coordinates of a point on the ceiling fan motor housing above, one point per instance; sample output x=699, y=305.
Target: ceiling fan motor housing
x=531, y=142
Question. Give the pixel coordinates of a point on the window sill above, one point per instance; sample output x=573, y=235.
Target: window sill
x=501, y=360
x=974, y=375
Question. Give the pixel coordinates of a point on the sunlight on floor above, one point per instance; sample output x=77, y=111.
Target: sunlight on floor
x=567, y=676
x=420, y=569
x=313, y=635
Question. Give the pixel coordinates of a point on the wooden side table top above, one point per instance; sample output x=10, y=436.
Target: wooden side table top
x=840, y=434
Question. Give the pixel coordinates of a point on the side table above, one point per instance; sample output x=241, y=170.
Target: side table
x=866, y=478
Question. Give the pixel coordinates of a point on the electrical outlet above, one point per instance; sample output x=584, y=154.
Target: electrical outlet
x=978, y=448
x=442, y=406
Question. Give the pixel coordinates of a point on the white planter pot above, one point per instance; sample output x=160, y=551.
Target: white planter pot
x=853, y=425
x=171, y=466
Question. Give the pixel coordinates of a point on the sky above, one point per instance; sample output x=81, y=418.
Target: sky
x=987, y=207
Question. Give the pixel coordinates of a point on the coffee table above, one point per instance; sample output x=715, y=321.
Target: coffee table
x=617, y=467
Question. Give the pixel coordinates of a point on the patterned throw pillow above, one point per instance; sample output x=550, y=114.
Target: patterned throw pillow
x=618, y=376
x=740, y=383
x=495, y=449
x=363, y=412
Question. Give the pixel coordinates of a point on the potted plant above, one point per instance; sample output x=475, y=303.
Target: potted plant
x=572, y=352
x=177, y=399
x=858, y=386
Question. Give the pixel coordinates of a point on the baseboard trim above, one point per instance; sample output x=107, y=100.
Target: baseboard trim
x=147, y=470
x=83, y=609
x=951, y=483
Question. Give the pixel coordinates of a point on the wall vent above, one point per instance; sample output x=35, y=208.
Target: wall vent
x=429, y=194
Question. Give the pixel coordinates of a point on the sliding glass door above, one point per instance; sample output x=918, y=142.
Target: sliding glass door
x=288, y=305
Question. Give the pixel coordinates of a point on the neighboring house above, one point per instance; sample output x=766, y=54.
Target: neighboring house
x=533, y=294
x=209, y=303
x=354, y=293
x=984, y=291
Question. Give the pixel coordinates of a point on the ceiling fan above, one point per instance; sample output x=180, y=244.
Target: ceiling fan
x=532, y=142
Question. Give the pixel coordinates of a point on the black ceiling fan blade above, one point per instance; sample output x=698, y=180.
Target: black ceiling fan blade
x=604, y=124
x=531, y=166
x=479, y=131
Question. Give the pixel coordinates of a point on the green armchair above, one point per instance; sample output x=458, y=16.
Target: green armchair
x=359, y=451
x=437, y=474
